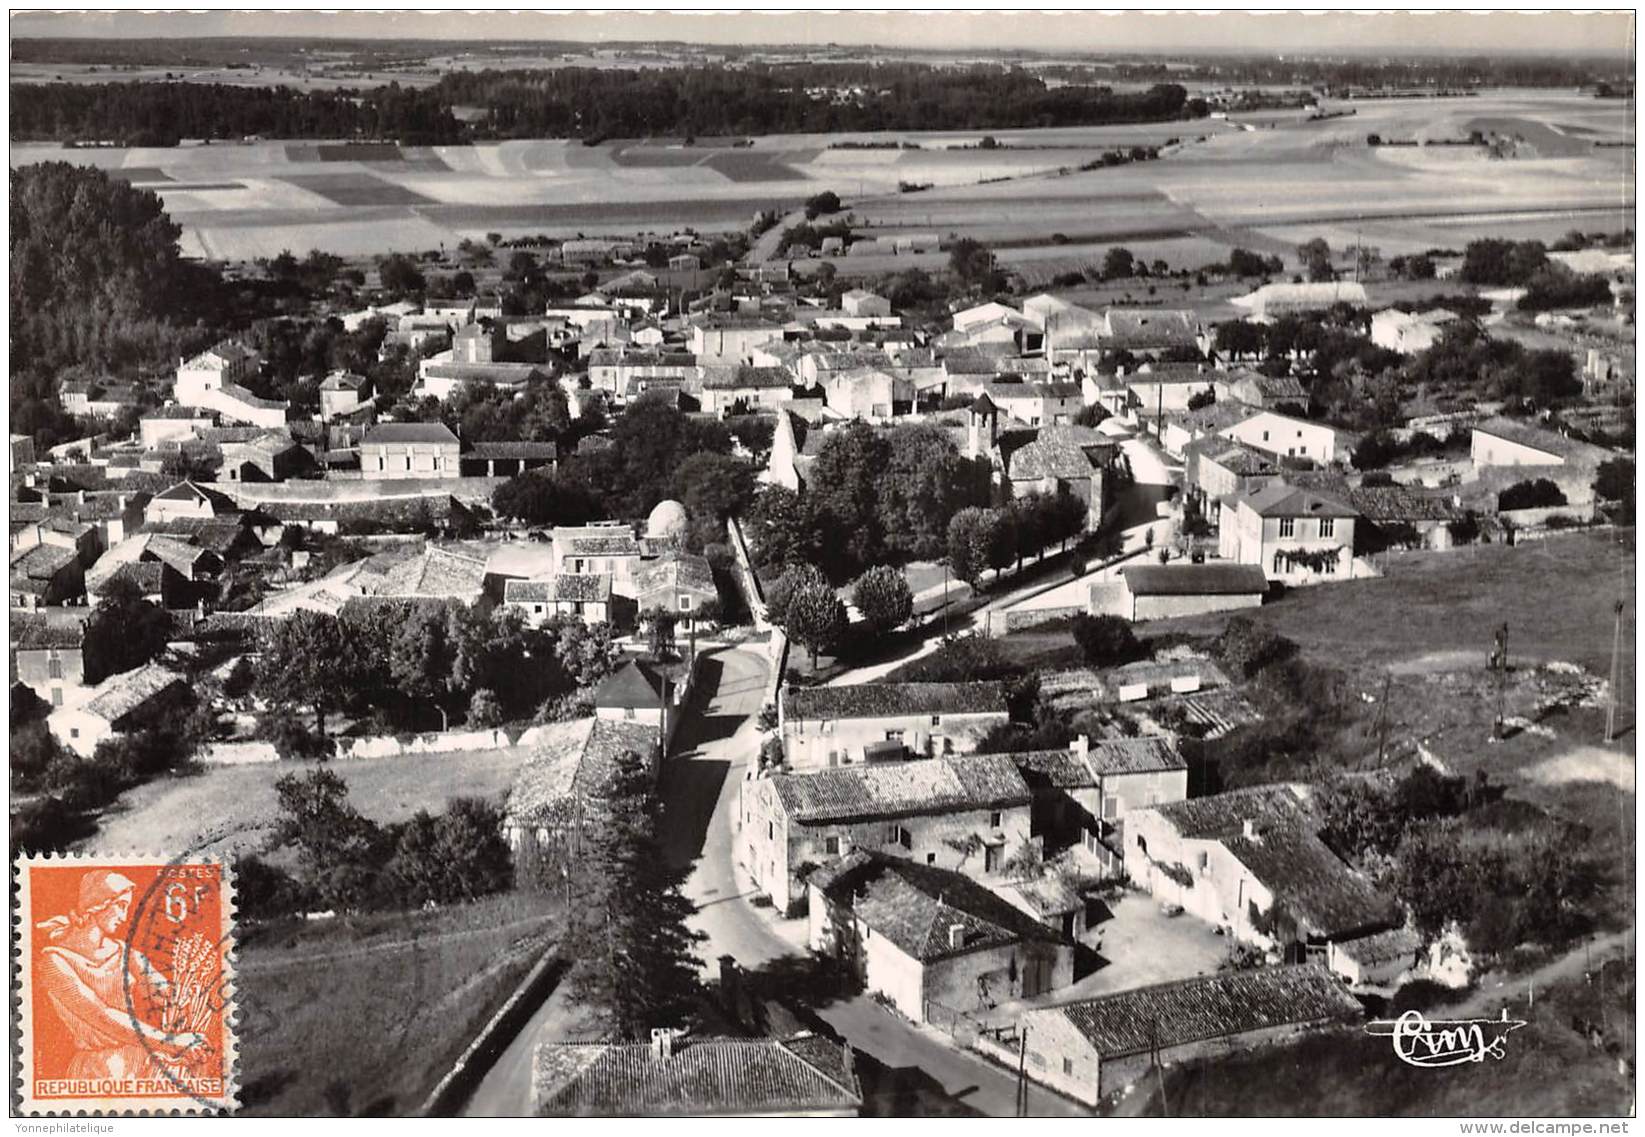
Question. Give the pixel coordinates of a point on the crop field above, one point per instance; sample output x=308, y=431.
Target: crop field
x=1260, y=181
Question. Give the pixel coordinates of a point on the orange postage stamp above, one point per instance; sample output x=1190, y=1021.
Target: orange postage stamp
x=126, y=985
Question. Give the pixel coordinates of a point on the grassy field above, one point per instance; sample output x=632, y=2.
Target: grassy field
x=228, y=807
x=1219, y=183
x=364, y=1015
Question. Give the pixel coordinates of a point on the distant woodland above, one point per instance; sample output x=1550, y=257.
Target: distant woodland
x=161, y=114
x=589, y=104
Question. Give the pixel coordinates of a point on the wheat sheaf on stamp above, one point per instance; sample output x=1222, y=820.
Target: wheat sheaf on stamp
x=126, y=985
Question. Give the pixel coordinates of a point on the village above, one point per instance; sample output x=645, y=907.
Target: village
x=978, y=699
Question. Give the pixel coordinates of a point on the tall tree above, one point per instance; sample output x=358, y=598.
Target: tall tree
x=882, y=596
x=307, y=661
x=337, y=848
x=780, y=528
x=844, y=492
x=124, y=631
x=816, y=619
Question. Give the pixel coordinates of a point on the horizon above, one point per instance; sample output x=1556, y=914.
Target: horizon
x=1349, y=34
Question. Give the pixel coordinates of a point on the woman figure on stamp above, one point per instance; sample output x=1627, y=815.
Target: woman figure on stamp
x=84, y=976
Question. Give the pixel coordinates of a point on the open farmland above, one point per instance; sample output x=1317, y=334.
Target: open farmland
x=1257, y=182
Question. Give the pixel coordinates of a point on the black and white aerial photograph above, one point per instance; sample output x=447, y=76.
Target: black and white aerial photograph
x=829, y=564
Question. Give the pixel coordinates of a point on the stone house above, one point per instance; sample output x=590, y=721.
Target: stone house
x=393, y=450
x=1082, y=792
x=119, y=704
x=822, y=727
x=931, y=940
x=565, y=782
x=50, y=660
x=970, y=814
x=584, y=595
x=1295, y=535
x=1289, y=437
x=1093, y=1048
x=45, y=576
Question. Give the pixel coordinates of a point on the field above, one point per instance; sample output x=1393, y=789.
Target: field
x=238, y=802
x=1260, y=183
x=362, y=1016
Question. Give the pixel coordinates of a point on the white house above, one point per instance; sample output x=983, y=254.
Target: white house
x=835, y=726
x=1295, y=535
x=1287, y=437
x=120, y=703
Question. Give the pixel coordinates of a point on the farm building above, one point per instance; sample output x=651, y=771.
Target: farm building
x=1150, y=332
x=1082, y=791
x=861, y=302
x=965, y=813
x=409, y=450
x=1290, y=437
x=1409, y=332
x=1163, y=592
x=1278, y=299
x=685, y=262
x=931, y=940
x=1251, y=861
x=118, y=704
x=584, y=595
x=802, y=1076
x=566, y=780
x=1092, y=1048
x=823, y=727
x=50, y=659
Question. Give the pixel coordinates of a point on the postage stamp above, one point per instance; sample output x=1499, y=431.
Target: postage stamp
x=126, y=994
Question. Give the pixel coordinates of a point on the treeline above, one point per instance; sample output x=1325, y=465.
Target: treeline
x=582, y=103
x=162, y=114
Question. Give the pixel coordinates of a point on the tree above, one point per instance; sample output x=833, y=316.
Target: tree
x=826, y=202
x=542, y=497
x=422, y=656
x=780, y=529
x=882, y=596
x=399, y=274
x=1248, y=647
x=1201, y=399
x=1374, y=451
x=628, y=927
x=1243, y=262
x=815, y=618
x=124, y=631
x=1239, y=338
x=660, y=623
x=1537, y=494
x=1105, y=641
x=712, y=487
x=457, y=856
x=1614, y=481
x=969, y=536
x=924, y=481
x=971, y=261
x=844, y=488
x=794, y=579
x=307, y=661
x=1118, y=264
x=1315, y=256
x=338, y=850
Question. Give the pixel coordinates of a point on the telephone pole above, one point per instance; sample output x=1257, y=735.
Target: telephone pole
x=1616, y=664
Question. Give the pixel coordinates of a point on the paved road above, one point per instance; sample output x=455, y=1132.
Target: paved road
x=765, y=245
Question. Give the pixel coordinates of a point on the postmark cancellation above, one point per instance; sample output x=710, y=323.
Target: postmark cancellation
x=126, y=985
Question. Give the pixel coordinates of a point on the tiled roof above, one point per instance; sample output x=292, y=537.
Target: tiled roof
x=968, y=361
x=1068, y=769
x=28, y=634
x=190, y=491
x=1195, y=580
x=1213, y=1006
x=1222, y=815
x=747, y=377
x=148, y=577
x=242, y=395
x=437, y=573
x=617, y=545
x=343, y=381
x=1570, y=449
x=180, y=555
x=576, y=587
x=677, y=571
x=1238, y=458
x=42, y=562
x=886, y=700
x=900, y=789
x=1382, y=947
x=918, y=907
x=635, y=684
x=119, y=695
x=572, y=760
x=1282, y=499
x=715, y=1076
x=177, y=412
x=403, y=433
x=1402, y=503
x=1150, y=328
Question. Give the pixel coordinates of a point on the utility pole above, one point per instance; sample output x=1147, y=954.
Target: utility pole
x=1022, y=1074
x=1616, y=664
x=1500, y=659
x=1382, y=720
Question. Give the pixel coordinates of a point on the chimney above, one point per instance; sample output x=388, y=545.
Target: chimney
x=956, y=936
x=1080, y=746
x=1250, y=830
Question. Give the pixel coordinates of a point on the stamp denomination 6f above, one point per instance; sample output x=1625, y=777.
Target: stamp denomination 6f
x=127, y=985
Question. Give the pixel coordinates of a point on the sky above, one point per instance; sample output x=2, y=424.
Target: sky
x=1456, y=33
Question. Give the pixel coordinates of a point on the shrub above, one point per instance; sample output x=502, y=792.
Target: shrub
x=1538, y=494
x=1464, y=530
x=1248, y=647
x=882, y=596
x=484, y=710
x=1104, y=640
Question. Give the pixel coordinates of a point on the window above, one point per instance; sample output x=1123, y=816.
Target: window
x=1287, y=526
x=995, y=819
x=382, y=462
x=770, y=830
x=54, y=667
x=74, y=732
x=991, y=857
x=628, y=712
x=1277, y=558
x=930, y=858
x=1068, y=1067
x=936, y=720
x=831, y=846
x=537, y=608
x=1327, y=526
x=893, y=736
x=1204, y=860
x=685, y=603
x=56, y=696
x=1265, y=436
